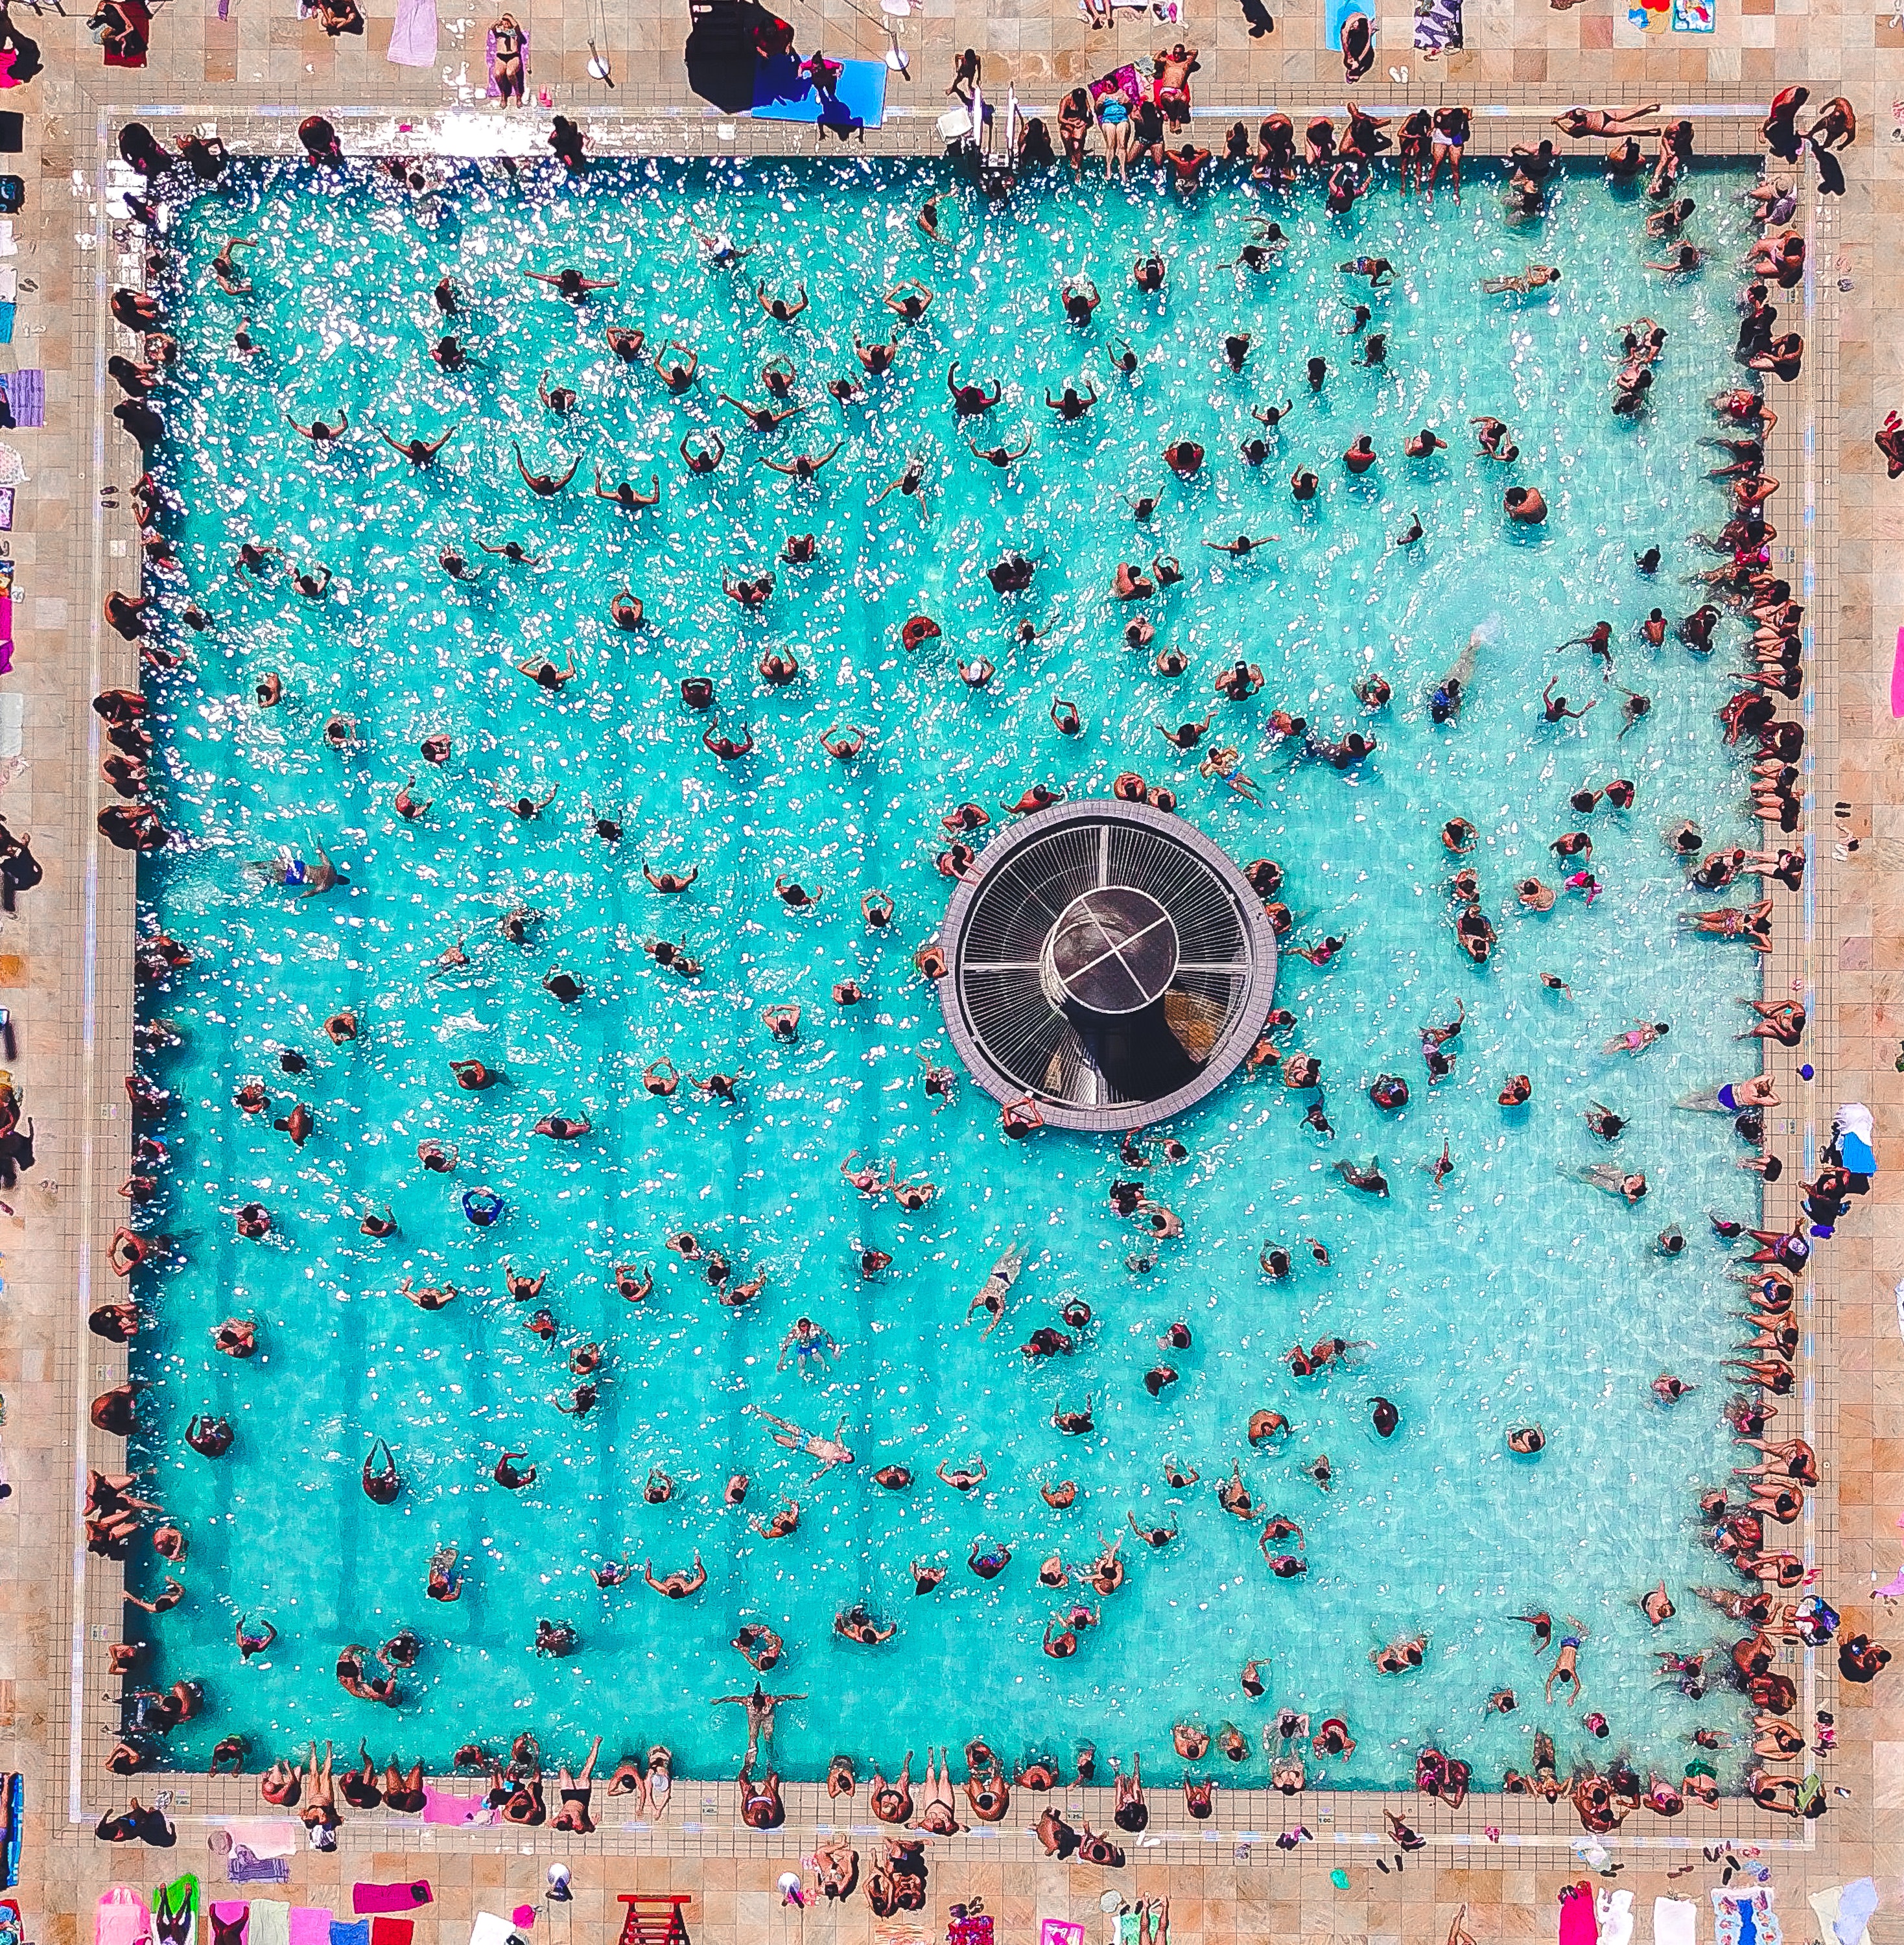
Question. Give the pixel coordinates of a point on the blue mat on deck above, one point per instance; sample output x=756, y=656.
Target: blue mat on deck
x=782, y=93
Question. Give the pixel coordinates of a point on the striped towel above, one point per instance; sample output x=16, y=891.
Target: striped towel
x=25, y=393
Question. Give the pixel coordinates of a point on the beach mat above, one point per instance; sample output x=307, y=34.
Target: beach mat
x=782, y=93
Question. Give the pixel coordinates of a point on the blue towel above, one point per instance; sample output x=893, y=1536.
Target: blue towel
x=350, y=1932
x=6, y=323
x=780, y=93
x=1339, y=11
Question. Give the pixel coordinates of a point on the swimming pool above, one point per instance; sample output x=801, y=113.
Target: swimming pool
x=1509, y=1296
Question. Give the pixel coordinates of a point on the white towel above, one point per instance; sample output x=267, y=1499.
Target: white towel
x=1614, y=1910
x=1675, y=1922
x=413, y=34
x=489, y=1929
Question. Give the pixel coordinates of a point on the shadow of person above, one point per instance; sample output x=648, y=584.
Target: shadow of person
x=26, y=62
x=728, y=40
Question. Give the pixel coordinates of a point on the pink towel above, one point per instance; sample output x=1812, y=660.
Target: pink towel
x=121, y=1918
x=310, y=1925
x=390, y=1897
x=1579, y=1926
x=444, y=1806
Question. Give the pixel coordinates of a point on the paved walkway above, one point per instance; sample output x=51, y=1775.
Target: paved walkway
x=63, y=959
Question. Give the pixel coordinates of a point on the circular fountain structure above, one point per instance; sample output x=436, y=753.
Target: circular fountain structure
x=1108, y=961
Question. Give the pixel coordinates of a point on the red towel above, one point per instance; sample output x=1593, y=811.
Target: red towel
x=392, y=1931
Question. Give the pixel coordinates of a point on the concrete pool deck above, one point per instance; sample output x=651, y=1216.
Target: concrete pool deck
x=63, y=961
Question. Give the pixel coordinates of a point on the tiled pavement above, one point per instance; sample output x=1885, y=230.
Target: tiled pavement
x=63, y=959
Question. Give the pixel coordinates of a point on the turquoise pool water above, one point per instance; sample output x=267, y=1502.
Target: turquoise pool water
x=1510, y=1295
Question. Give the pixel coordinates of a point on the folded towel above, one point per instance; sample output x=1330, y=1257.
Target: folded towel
x=1675, y=1922
x=310, y=1925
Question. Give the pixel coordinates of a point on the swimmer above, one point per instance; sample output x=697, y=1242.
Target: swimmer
x=1566, y=1669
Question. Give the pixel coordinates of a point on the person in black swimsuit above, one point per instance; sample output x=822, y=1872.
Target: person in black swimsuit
x=576, y=1792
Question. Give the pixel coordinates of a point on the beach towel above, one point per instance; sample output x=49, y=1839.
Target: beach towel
x=1120, y=80
x=349, y=1930
x=389, y=1897
x=413, y=34
x=271, y=1923
x=1844, y=1911
x=175, y=1911
x=243, y=1865
x=1060, y=1931
x=443, y=1806
x=310, y=1925
x=173, y=1906
x=1437, y=26
x=23, y=398
x=782, y=93
x=225, y=1916
x=489, y=1929
x=1578, y=1925
x=13, y=1806
x=1613, y=1913
x=121, y=1918
x=392, y=1931
x=129, y=35
x=1746, y=1917
x=1692, y=16
x=1168, y=11
x=1338, y=13
x=1855, y=1129
x=1675, y=1922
